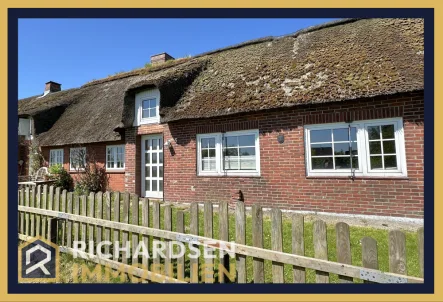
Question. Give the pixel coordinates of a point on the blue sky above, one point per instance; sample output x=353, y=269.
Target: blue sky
x=75, y=51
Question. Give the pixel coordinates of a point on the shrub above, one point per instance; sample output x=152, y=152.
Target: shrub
x=91, y=177
x=61, y=177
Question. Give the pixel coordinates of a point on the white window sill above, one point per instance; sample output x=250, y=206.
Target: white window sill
x=348, y=174
x=148, y=122
x=229, y=174
x=115, y=170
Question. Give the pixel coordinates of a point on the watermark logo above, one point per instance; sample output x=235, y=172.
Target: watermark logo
x=38, y=261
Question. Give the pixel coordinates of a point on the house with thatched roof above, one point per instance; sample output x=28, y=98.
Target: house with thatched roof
x=327, y=119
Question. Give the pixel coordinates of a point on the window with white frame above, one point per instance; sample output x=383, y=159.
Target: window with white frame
x=55, y=157
x=115, y=157
x=147, y=107
x=77, y=158
x=230, y=153
x=363, y=148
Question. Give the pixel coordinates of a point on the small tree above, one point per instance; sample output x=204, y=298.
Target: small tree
x=91, y=176
x=61, y=177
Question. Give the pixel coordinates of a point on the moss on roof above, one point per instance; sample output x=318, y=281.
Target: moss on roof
x=340, y=60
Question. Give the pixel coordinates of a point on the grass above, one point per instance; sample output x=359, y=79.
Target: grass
x=356, y=234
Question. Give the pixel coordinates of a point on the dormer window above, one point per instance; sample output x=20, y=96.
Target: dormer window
x=147, y=107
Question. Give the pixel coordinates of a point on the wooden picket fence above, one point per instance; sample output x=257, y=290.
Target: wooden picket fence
x=63, y=217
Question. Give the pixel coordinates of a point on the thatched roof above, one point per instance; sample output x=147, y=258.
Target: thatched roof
x=335, y=61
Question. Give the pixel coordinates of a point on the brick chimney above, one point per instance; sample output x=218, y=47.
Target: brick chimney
x=160, y=58
x=52, y=87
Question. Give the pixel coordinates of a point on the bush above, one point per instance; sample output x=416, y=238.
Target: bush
x=61, y=177
x=91, y=177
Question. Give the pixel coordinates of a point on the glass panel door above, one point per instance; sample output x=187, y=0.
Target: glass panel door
x=152, y=166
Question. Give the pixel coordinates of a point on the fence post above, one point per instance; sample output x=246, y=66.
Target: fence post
x=257, y=241
x=369, y=254
x=240, y=238
x=194, y=230
x=223, y=219
x=277, y=245
x=168, y=227
x=397, y=252
x=421, y=246
x=180, y=228
x=320, y=248
x=208, y=276
x=343, y=247
x=298, y=246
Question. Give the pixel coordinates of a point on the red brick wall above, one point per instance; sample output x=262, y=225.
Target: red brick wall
x=283, y=182
x=116, y=179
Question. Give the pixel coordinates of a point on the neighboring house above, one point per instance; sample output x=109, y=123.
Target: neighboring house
x=328, y=119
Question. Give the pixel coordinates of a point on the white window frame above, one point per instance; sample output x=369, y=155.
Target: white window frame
x=219, y=154
x=114, y=150
x=363, y=150
x=143, y=96
x=70, y=159
x=52, y=153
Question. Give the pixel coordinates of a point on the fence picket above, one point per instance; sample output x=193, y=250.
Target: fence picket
x=69, y=223
x=76, y=208
x=194, y=230
x=27, y=219
x=107, y=216
x=223, y=218
x=397, y=252
x=116, y=236
x=57, y=199
x=38, y=218
x=91, y=201
x=145, y=222
x=51, y=198
x=22, y=214
x=32, y=205
x=298, y=246
x=343, y=248
x=125, y=235
x=369, y=254
x=320, y=248
x=134, y=236
x=99, y=215
x=257, y=241
x=156, y=225
x=180, y=228
x=208, y=276
x=168, y=227
x=421, y=246
x=84, y=213
x=44, y=206
x=62, y=224
x=277, y=245
x=240, y=237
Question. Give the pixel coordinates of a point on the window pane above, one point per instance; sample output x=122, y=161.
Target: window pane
x=342, y=163
x=318, y=136
x=154, y=171
x=154, y=158
x=374, y=147
x=160, y=143
x=152, y=103
x=246, y=140
x=145, y=104
x=355, y=162
x=211, y=152
x=247, y=151
x=147, y=171
x=154, y=144
x=153, y=112
x=341, y=134
x=154, y=185
x=390, y=162
x=205, y=153
x=160, y=157
x=231, y=141
x=160, y=185
x=376, y=162
x=322, y=163
x=231, y=152
x=341, y=149
x=387, y=131
x=208, y=165
x=321, y=149
x=148, y=185
x=374, y=132
x=147, y=158
x=145, y=113
x=248, y=163
x=231, y=163
x=208, y=142
x=160, y=171
x=389, y=147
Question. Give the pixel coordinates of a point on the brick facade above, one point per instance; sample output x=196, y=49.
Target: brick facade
x=116, y=179
x=283, y=182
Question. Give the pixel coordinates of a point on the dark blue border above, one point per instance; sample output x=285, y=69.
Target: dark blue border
x=15, y=14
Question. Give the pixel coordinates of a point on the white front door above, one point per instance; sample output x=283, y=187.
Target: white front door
x=152, y=166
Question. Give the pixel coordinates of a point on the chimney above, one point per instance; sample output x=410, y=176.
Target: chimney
x=52, y=87
x=160, y=58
